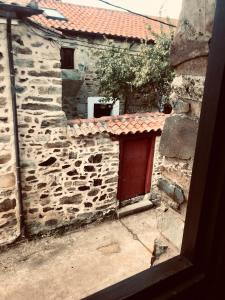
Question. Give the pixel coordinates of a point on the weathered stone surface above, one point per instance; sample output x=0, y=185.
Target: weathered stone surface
x=172, y=190
x=112, y=180
x=24, y=50
x=7, y=180
x=49, y=90
x=3, y=119
x=4, y=138
x=180, y=106
x=75, y=199
x=93, y=192
x=83, y=188
x=24, y=63
x=97, y=182
x=78, y=163
x=40, y=106
x=89, y=169
x=28, y=164
x=37, y=44
x=7, y=205
x=53, y=122
x=55, y=182
x=179, y=137
x=95, y=158
x=20, y=89
x=88, y=204
x=58, y=144
x=51, y=222
x=2, y=102
x=30, y=178
x=194, y=31
x=44, y=74
x=2, y=89
x=51, y=160
x=72, y=173
x=4, y=158
x=38, y=99
x=17, y=39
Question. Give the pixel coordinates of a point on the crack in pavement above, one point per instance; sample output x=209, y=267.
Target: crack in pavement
x=134, y=235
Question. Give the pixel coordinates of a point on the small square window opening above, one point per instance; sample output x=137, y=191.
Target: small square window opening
x=67, y=58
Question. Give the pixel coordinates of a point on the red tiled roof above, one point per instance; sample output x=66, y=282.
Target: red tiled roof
x=87, y=19
x=117, y=125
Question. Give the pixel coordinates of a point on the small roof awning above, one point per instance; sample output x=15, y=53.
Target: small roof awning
x=117, y=125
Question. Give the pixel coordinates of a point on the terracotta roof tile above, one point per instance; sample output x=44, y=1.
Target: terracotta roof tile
x=118, y=125
x=96, y=20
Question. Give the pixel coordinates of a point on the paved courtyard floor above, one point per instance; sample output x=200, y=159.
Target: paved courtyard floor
x=80, y=263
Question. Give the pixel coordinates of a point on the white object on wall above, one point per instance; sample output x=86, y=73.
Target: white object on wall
x=94, y=100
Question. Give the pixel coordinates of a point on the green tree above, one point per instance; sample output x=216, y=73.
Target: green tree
x=124, y=74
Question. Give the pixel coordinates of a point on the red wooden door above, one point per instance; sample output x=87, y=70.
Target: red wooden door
x=136, y=161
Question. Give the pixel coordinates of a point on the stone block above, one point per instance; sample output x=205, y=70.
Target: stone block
x=196, y=108
x=40, y=106
x=54, y=122
x=7, y=205
x=38, y=99
x=179, y=137
x=49, y=90
x=2, y=102
x=7, y=180
x=188, y=87
x=28, y=63
x=23, y=50
x=75, y=199
x=180, y=106
x=172, y=190
x=134, y=208
x=4, y=158
x=45, y=74
x=58, y=144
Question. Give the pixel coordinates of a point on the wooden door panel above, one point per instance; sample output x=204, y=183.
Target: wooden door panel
x=134, y=162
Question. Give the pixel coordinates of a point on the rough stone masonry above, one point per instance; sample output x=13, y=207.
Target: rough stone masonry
x=65, y=179
x=9, y=210
x=189, y=57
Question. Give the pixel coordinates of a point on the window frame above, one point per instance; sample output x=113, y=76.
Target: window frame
x=199, y=268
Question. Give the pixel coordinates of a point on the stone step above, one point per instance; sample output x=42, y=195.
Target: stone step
x=134, y=208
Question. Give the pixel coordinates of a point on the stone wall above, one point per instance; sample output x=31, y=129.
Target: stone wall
x=61, y=173
x=189, y=57
x=9, y=206
x=85, y=61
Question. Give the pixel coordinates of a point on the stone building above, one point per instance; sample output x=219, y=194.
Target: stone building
x=189, y=57
x=84, y=30
x=56, y=173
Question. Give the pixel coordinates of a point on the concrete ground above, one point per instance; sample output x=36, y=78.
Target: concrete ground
x=80, y=263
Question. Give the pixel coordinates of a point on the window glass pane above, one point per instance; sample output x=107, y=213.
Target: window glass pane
x=53, y=14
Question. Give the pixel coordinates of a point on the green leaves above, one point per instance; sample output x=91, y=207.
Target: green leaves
x=123, y=74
